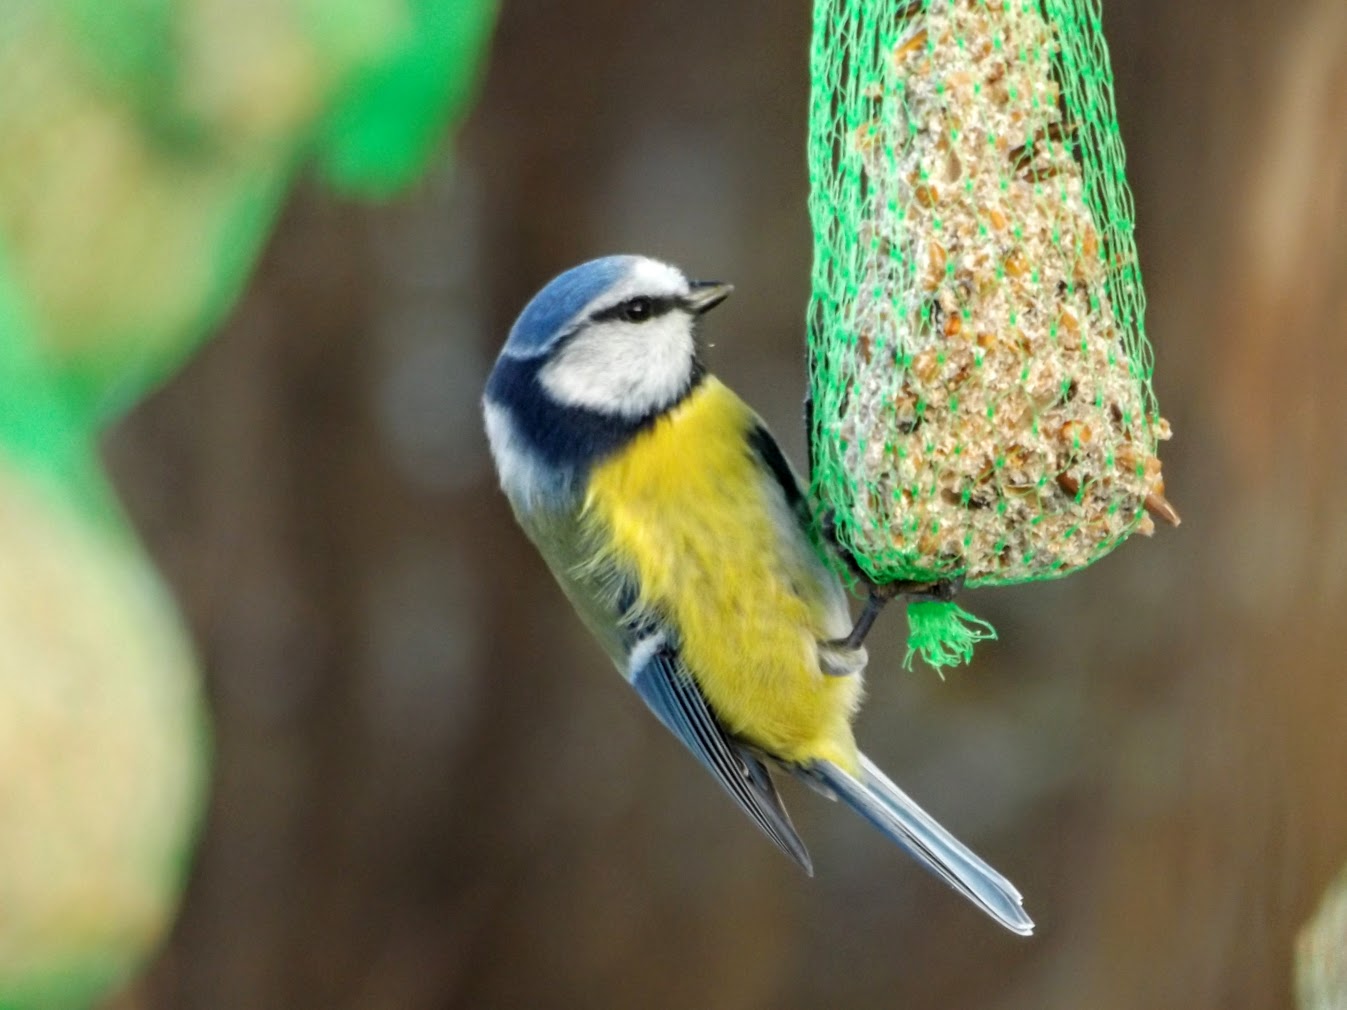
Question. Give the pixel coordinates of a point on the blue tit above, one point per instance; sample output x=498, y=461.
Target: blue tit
x=680, y=533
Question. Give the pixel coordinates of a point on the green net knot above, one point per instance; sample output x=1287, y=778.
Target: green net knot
x=943, y=633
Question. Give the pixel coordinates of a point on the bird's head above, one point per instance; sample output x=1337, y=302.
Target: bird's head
x=598, y=354
x=615, y=336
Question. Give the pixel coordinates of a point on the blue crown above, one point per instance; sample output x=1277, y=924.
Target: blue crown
x=547, y=316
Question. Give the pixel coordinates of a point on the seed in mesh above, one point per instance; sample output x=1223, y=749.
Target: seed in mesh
x=997, y=419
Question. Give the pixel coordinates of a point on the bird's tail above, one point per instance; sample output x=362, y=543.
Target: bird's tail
x=891, y=810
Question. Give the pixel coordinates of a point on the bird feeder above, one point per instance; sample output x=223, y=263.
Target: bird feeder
x=982, y=411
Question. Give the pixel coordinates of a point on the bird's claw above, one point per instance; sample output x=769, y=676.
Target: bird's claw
x=877, y=595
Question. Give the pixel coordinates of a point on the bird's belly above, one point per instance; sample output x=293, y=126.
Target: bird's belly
x=712, y=560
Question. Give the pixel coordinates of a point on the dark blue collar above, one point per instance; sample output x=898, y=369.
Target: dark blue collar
x=566, y=437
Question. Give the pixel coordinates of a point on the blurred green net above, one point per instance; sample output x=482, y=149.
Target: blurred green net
x=979, y=374
x=148, y=146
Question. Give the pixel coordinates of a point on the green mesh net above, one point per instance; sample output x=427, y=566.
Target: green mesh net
x=979, y=373
x=148, y=146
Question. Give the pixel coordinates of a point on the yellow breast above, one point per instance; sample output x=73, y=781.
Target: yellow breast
x=689, y=513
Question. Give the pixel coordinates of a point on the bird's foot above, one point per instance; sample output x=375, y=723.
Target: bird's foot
x=878, y=595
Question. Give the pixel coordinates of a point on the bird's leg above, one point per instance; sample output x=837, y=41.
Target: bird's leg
x=875, y=602
x=877, y=596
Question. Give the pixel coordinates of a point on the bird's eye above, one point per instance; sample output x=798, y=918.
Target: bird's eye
x=638, y=310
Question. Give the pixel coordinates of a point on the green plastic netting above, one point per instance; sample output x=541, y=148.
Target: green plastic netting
x=148, y=146
x=979, y=372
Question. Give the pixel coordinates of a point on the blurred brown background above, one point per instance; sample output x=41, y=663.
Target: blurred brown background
x=431, y=790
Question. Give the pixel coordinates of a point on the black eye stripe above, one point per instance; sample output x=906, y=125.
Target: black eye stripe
x=658, y=307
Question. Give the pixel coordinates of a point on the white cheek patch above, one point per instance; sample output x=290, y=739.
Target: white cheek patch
x=625, y=369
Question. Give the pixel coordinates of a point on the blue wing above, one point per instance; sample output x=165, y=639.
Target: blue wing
x=666, y=687
x=770, y=456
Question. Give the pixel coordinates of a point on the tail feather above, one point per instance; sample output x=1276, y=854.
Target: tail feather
x=894, y=813
x=902, y=803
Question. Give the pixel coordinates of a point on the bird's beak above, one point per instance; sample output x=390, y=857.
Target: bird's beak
x=705, y=296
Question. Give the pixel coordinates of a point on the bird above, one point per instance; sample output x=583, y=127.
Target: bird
x=685, y=541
